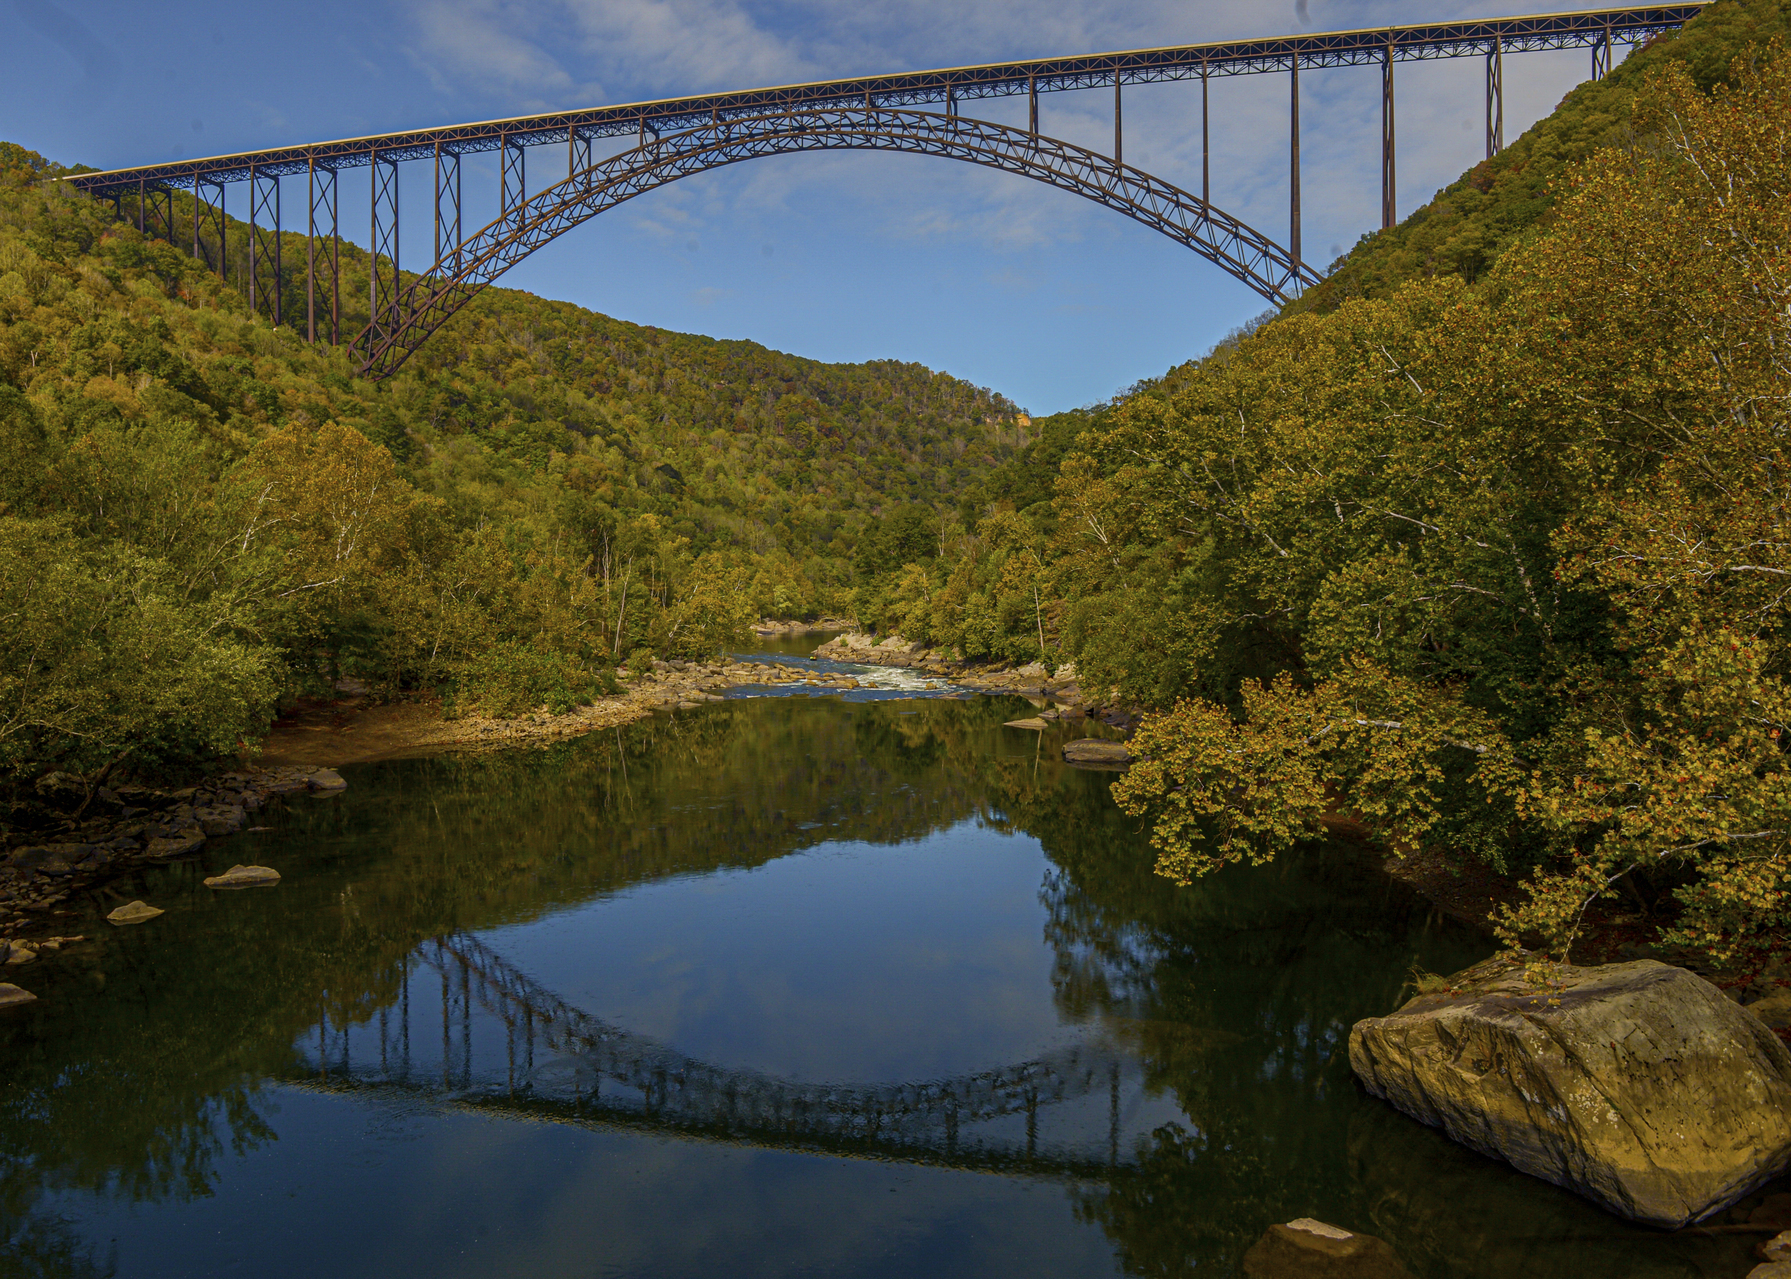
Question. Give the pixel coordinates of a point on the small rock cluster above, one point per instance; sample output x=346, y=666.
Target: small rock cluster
x=136, y=825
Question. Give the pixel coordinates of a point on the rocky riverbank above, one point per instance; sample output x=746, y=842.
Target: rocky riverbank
x=132, y=826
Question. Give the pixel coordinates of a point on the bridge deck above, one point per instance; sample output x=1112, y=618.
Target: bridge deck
x=1370, y=46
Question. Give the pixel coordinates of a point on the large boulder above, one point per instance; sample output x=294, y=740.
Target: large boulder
x=1637, y=1085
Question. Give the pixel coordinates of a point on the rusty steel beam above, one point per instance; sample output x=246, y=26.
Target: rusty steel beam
x=1293, y=173
x=1389, y=175
x=264, y=246
x=321, y=194
x=1495, y=101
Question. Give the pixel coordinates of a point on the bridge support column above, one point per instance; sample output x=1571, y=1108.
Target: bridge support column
x=1119, y=151
x=1389, y=175
x=1293, y=176
x=383, y=188
x=264, y=244
x=162, y=197
x=512, y=180
x=320, y=196
x=447, y=205
x=209, y=215
x=1601, y=56
x=1032, y=108
x=578, y=153
x=1495, y=98
x=1206, y=146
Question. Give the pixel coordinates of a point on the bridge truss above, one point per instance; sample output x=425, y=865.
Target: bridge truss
x=506, y=1044
x=677, y=136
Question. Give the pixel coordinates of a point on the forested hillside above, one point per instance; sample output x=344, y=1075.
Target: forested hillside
x=1492, y=560
x=200, y=514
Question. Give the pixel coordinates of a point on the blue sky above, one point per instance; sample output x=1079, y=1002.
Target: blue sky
x=1036, y=293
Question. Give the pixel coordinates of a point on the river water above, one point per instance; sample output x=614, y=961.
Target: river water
x=796, y=985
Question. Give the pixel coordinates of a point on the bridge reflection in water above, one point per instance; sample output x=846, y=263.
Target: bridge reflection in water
x=508, y=1046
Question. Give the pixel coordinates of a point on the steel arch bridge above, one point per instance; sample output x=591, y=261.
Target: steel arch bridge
x=422, y=306
x=677, y=137
x=506, y=1044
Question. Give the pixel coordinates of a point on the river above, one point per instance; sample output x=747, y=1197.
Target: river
x=862, y=986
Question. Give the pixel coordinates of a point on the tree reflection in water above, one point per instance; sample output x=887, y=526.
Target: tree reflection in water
x=148, y=1059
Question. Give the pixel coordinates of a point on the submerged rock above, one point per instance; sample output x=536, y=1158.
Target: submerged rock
x=133, y=913
x=1636, y=1085
x=220, y=819
x=11, y=996
x=244, y=877
x=180, y=845
x=1093, y=752
x=1308, y=1249
x=1034, y=723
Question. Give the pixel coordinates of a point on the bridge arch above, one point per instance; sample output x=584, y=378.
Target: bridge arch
x=420, y=308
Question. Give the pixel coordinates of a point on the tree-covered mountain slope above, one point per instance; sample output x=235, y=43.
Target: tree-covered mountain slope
x=200, y=513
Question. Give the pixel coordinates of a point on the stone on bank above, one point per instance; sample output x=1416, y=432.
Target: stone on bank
x=1637, y=1085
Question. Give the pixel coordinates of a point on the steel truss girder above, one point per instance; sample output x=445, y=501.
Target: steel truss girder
x=429, y=300
x=207, y=214
x=382, y=303
x=447, y=201
x=155, y=211
x=1597, y=30
x=265, y=283
x=321, y=197
x=513, y=186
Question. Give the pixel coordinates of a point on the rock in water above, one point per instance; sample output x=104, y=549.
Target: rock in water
x=1093, y=752
x=244, y=877
x=176, y=845
x=1033, y=723
x=1308, y=1249
x=1636, y=1085
x=133, y=913
x=11, y=995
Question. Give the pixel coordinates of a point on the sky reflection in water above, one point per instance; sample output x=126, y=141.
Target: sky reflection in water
x=777, y=986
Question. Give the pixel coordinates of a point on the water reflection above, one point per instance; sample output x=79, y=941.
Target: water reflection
x=773, y=985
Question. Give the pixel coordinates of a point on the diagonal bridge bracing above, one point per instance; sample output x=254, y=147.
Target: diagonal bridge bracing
x=709, y=125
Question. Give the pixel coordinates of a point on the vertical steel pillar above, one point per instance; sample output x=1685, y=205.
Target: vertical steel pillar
x=1119, y=151
x=1032, y=108
x=142, y=190
x=1495, y=98
x=951, y=105
x=512, y=177
x=447, y=207
x=578, y=152
x=383, y=187
x=320, y=193
x=1389, y=177
x=1206, y=145
x=264, y=245
x=1601, y=55
x=1293, y=176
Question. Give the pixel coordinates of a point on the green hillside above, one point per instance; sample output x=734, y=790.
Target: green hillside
x=1491, y=559
x=201, y=514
